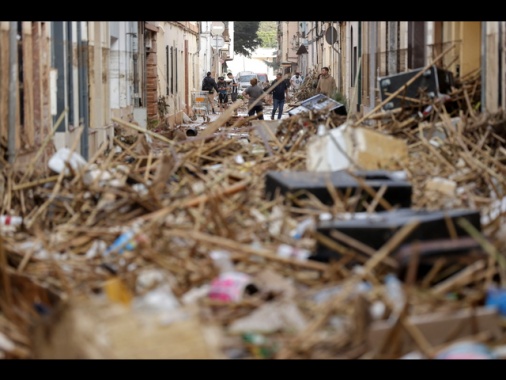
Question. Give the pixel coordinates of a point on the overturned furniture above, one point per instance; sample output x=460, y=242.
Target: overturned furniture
x=374, y=230
x=362, y=184
x=319, y=102
x=433, y=83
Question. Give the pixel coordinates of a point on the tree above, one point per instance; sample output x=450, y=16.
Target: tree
x=245, y=37
x=268, y=34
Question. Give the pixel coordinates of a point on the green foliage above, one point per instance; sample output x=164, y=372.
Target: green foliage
x=275, y=65
x=268, y=34
x=339, y=97
x=245, y=37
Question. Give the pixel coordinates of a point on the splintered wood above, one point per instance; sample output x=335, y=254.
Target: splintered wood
x=180, y=202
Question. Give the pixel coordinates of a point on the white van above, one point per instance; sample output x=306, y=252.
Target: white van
x=243, y=79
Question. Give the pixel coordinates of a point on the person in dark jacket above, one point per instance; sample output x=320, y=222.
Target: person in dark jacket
x=210, y=85
x=222, y=93
x=279, y=95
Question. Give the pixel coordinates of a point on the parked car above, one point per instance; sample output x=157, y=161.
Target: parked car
x=262, y=78
x=243, y=79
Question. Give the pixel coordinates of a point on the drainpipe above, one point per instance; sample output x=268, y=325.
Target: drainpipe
x=82, y=52
x=500, y=79
x=339, y=75
x=359, y=84
x=339, y=62
x=372, y=64
x=483, y=65
x=13, y=89
x=134, y=50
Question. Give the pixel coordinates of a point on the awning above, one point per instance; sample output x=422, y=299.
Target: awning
x=302, y=50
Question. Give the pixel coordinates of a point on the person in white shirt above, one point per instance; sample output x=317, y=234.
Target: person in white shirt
x=233, y=86
x=296, y=82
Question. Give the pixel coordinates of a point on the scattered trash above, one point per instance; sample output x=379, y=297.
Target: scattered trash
x=466, y=351
x=229, y=287
x=496, y=297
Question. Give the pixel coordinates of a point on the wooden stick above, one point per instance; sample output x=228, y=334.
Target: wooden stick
x=420, y=339
x=46, y=204
x=358, y=245
x=5, y=280
x=390, y=245
x=238, y=247
x=320, y=320
x=140, y=129
x=235, y=188
x=461, y=278
x=192, y=202
x=35, y=183
x=213, y=127
x=43, y=146
x=486, y=245
x=393, y=331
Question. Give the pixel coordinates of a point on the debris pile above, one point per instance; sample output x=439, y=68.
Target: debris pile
x=166, y=240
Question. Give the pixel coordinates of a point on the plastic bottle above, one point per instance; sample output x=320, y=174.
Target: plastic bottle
x=288, y=251
x=8, y=220
x=230, y=285
x=395, y=292
x=298, y=232
x=125, y=241
x=466, y=351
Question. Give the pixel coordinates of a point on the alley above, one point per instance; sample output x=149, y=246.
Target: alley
x=368, y=224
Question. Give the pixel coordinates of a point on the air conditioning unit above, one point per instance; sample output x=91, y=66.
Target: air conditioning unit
x=148, y=44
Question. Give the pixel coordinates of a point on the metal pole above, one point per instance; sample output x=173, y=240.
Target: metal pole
x=82, y=51
x=216, y=59
x=372, y=63
x=500, y=69
x=13, y=89
x=483, y=66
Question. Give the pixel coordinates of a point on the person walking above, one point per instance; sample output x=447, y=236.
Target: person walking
x=209, y=85
x=253, y=93
x=326, y=84
x=222, y=94
x=233, y=87
x=279, y=95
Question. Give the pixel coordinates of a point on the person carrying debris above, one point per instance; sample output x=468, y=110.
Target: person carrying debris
x=209, y=85
x=279, y=95
x=222, y=93
x=233, y=87
x=326, y=84
x=253, y=93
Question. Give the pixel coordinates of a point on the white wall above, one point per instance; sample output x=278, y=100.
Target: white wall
x=255, y=63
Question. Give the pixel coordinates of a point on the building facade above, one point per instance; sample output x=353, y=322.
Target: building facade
x=358, y=53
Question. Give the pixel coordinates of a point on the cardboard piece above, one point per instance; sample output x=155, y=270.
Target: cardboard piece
x=348, y=147
x=440, y=327
x=97, y=329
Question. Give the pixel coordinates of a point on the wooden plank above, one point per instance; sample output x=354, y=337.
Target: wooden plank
x=26, y=130
x=439, y=327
